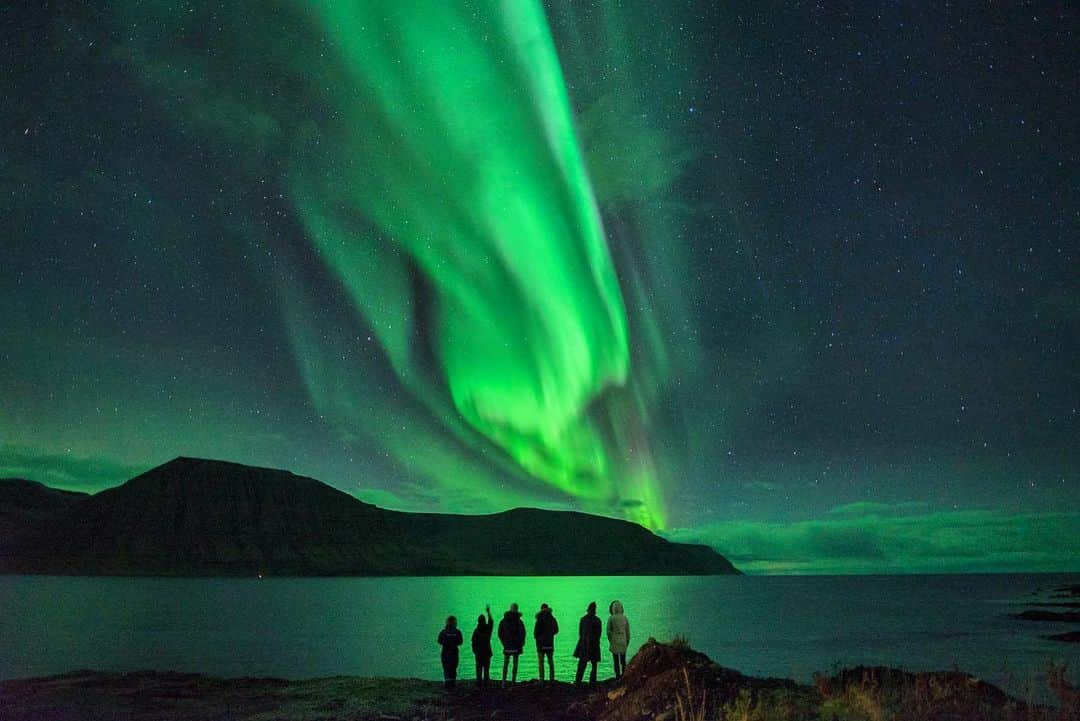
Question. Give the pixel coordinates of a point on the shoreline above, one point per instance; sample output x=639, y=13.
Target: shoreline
x=660, y=679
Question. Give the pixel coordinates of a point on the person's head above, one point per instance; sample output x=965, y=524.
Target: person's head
x=451, y=621
x=480, y=620
x=615, y=607
x=591, y=610
x=544, y=608
x=513, y=608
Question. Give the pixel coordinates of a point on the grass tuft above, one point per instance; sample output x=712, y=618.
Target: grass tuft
x=686, y=709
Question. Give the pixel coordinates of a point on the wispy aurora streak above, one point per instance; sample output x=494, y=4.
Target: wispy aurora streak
x=429, y=153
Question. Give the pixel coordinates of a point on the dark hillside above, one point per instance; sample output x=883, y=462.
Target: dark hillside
x=200, y=517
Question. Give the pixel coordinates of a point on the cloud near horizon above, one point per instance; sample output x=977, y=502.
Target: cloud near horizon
x=884, y=538
x=67, y=471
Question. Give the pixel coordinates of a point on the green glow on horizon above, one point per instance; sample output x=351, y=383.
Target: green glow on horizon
x=437, y=139
x=897, y=538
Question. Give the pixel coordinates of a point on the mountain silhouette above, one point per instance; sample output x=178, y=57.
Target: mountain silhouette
x=201, y=517
x=28, y=504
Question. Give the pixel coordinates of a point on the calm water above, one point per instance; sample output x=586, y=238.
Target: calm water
x=297, y=628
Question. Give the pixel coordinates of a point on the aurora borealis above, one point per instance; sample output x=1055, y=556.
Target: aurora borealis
x=794, y=282
x=455, y=216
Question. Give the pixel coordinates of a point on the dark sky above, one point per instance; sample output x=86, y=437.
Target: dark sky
x=800, y=282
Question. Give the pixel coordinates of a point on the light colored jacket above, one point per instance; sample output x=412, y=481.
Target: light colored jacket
x=618, y=629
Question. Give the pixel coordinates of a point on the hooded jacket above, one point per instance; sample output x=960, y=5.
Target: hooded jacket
x=512, y=633
x=481, y=638
x=618, y=629
x=545, y=629
x=588, y=645
x=450, y=638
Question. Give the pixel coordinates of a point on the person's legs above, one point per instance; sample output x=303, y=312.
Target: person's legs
x=620, y=664
x=513, y=677
x=580, y=670
x=506, y=662
x=551, y=664
x=486, y=671
x=592, y=673
x=540, y=658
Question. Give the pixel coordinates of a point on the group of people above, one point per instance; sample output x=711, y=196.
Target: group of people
x=512, y=637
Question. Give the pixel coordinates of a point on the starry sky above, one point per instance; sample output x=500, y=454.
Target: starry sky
x=796, y=281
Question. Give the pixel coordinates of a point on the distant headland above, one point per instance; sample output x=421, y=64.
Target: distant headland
x=197, y=517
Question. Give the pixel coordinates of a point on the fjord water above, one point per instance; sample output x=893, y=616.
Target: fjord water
x=310, y=627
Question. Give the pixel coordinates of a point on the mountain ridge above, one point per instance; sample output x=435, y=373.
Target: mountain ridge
x=201, y=517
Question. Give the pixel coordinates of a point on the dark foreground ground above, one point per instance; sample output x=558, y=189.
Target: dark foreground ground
x=664, y=682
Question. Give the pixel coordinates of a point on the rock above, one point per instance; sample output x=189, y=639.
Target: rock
x=657, y=678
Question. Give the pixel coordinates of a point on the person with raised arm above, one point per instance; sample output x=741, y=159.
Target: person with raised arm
x=481, y=647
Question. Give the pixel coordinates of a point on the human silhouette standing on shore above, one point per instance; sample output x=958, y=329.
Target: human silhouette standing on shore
x=450, y=639
x=618, y=634
x=481, y=647
x=588, y=645
x=512, y=637
x=544, y=632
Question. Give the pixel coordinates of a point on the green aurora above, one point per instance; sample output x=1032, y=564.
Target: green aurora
x=431, y=157
x=733, y=271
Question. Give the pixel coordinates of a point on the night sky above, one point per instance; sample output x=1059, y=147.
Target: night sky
x=800, y=282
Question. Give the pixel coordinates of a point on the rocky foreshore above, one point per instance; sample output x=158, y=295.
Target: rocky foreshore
x=1056, y=600
x=664, y=682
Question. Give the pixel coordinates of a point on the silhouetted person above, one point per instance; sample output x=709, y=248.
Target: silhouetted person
x=481, y=647
x=618, y=636
x=588, y=644
x=544, y=632
x=512, y=636
x=450, y=639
